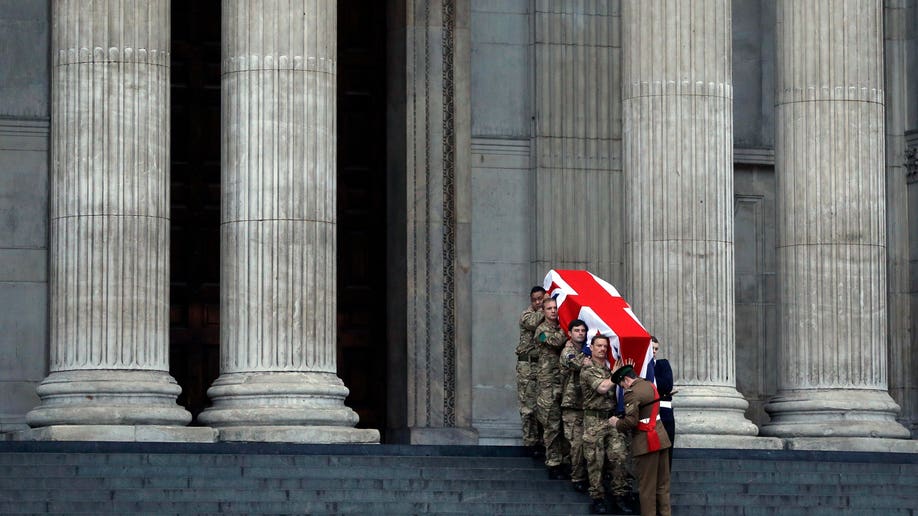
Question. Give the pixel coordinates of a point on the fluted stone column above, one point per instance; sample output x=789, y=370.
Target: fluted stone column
x=831, y=194
x=577, y=137
x=903, y=386
x=278, y=363
x=678, y=197
x=109, y=222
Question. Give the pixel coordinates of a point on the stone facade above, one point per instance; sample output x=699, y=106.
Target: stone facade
x=657, y=144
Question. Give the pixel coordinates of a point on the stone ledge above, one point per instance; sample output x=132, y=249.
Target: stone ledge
x=299, y=434
x=728, y=442
x=118, y=433
x=862, y=444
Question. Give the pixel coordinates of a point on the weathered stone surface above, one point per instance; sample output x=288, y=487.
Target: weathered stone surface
x=278, y=359
x=109, y=218
x=577, y=110
x=678, y=149
x=831, y=224
x=122, y=433
x=740, y=442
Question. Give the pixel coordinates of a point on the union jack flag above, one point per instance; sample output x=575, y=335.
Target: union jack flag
x=583, y=295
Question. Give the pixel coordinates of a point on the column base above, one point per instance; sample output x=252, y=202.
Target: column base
x=119, y=433
x=302, y=407
x=834, y=413
x=737, y=442
x=711, y=411
x=108, y=397
x=864, y=444
x=300, y=434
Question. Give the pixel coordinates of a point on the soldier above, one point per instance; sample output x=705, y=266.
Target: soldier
x=527, y=371
x=571, y=361
x=550, y=338
x=602, y=443
x=649, y=441
x=663, y=376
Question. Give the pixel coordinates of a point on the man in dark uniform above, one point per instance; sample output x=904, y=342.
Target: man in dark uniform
x=663, y=376
x=649, y=440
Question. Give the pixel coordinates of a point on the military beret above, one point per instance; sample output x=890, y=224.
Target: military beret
x=620, y=373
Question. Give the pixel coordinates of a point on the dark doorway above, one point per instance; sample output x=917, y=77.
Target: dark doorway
x=362, y=207
x=195, y=261
x=194, y=340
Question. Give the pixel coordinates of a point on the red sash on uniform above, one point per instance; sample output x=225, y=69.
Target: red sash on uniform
x=653, y=439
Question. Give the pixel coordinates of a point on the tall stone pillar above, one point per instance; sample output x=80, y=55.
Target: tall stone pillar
x=902, y=382
x=576, y=140
x=278, y=363
x=832, y=378
x=109, y=222
x=678, y=197
x=429, y=210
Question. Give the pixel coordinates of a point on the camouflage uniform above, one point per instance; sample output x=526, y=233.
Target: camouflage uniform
x=602, y=443
x=571, y=361
x=550, y=338
x=527, y=376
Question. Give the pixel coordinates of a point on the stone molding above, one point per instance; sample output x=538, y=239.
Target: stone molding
x=437, y=215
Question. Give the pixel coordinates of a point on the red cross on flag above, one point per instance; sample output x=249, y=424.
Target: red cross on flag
x=582, y=295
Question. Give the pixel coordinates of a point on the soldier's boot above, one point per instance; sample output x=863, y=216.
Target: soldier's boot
x=557, y=473
x=581, y=486
x=599, y=506
x=538, y=452
x=621, y=505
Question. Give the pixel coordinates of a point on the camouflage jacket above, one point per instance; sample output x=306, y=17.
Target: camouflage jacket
x=571, y=361
x=590, y=378
x=550, y=338
x=529, y=321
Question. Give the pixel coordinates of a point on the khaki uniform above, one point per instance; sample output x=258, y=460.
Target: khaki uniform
x=527, y=376
x=571, y=361
x=550, y=339
x=651, y=466
x=602, y=443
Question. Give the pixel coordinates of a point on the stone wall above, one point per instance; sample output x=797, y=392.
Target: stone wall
x=24, y=113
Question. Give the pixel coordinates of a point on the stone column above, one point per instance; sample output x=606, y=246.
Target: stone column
x=831, y=224
x=576, y=142
x=429, y=209
x=901, y=374
x=109, y=221
x=278, y=361
x=678, y=198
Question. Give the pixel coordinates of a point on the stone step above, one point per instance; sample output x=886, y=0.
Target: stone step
x=129, y=459
x=529, y=484
x=285, y=495
x=301, y=507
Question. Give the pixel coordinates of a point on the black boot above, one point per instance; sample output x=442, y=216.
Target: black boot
x=623, y=506
x=557, y=473
x=599, y=506
x=538, y=452
x=581, y=486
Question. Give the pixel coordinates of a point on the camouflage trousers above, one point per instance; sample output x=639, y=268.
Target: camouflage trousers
x=527, y=388
x=549, y=413
x=573, y=432
x=604, y=448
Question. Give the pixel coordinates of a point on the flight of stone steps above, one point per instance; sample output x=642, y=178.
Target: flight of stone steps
x=228, y=478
